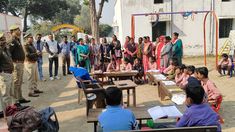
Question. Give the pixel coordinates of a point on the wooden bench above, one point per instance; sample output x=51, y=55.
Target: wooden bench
x=181, y=129
x=164, y=90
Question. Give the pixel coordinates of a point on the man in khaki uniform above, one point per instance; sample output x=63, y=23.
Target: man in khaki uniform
x=18, y=57
x=6, y=69
x=32, y=56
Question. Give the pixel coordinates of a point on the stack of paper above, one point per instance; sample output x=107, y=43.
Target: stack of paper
x=155, y=71
x=178, y=98
x=169, y=83
x=175, y=90
x=160, y=77
x=166, y=111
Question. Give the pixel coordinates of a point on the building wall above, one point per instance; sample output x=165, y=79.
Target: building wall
x=190, y=30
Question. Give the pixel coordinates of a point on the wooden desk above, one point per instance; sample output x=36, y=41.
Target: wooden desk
x=141, y=113
x=164, y=90
x=127, y=85
x=151, y=77
x=120, y=74
x=97, y=75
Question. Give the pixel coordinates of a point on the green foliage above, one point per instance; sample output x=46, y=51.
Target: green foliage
x=68, y=15
x=43, y=28
x=105, y=30
x=83, y=20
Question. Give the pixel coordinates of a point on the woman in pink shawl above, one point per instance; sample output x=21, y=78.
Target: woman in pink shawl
x=158, y=51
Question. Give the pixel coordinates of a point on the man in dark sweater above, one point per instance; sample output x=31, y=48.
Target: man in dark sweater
x=6, y=69
x=31, y=66
x=18, y=57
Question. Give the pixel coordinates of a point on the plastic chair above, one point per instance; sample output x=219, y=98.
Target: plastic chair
x=216, y=108
x=94, y=94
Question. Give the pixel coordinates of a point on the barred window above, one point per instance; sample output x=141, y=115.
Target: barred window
x=225, y=25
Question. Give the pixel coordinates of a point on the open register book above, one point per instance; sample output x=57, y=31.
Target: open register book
x=179, y=99
x=158, y=112
x=160, y=77
x=155, y=71
x=169, y=83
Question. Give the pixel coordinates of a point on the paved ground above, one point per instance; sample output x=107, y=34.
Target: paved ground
x=62, y=95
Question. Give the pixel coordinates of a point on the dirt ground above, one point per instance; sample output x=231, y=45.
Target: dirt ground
x=62, y=95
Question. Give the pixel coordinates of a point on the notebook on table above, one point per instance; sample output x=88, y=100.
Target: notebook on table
x=158, y=112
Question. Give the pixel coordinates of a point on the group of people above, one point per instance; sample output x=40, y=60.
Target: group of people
x=14, y=57
x=202, y=100
x=198, y=113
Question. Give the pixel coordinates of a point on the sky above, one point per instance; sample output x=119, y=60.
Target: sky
x=108, y=11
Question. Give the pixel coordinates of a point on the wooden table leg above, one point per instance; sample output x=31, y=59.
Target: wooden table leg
x=95, y=126
x=134, y=97
x=128, y=97
x=102, y=78
x=140, y=124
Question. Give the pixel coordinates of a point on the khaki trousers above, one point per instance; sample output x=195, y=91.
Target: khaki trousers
x=6, y=90
x=31, y=69
x=18, y=79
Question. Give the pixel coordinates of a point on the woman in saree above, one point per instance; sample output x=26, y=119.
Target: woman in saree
x=116, y=50
x=158, y=51
x=83, y=54
x=146, y=54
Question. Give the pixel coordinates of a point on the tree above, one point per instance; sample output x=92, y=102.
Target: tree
x=95, y=17
x=105, y=30
x=67, y=16
x=83, y=20
x=43, y=28
x=44, y=9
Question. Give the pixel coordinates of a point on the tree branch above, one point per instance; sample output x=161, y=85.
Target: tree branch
x=100, y=9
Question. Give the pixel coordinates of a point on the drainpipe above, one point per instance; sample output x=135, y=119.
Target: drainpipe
x=212, y=26
x=172, y=17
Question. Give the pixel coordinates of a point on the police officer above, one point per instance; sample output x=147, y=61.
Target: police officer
x=6, y=69
x=32, y=56
x=18, y=57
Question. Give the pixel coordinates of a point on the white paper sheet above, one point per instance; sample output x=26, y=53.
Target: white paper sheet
x=168, y=83
x=156, y=71
x=178, y=98
x=172, y=111
x=166, y=111
x=160, y=77
x=156, y=112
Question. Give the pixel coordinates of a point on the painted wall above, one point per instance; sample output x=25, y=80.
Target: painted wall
x=191, y=30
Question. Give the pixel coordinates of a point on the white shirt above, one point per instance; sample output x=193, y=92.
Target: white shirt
x=52, y=47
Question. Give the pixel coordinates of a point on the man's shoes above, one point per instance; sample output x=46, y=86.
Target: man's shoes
x=33, y=95
x=43, y=79
x=22, y=101
x=38, y=91
x=69, y=73
x=51, y=78
x=57, y=77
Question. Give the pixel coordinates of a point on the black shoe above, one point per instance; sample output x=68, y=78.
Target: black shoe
x=22, y=101
x=33, y=95
x=69, y=73
x=38, y=91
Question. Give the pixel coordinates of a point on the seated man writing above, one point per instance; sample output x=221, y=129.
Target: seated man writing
x=225, y=64
x=116, y=117
x=198, y=113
